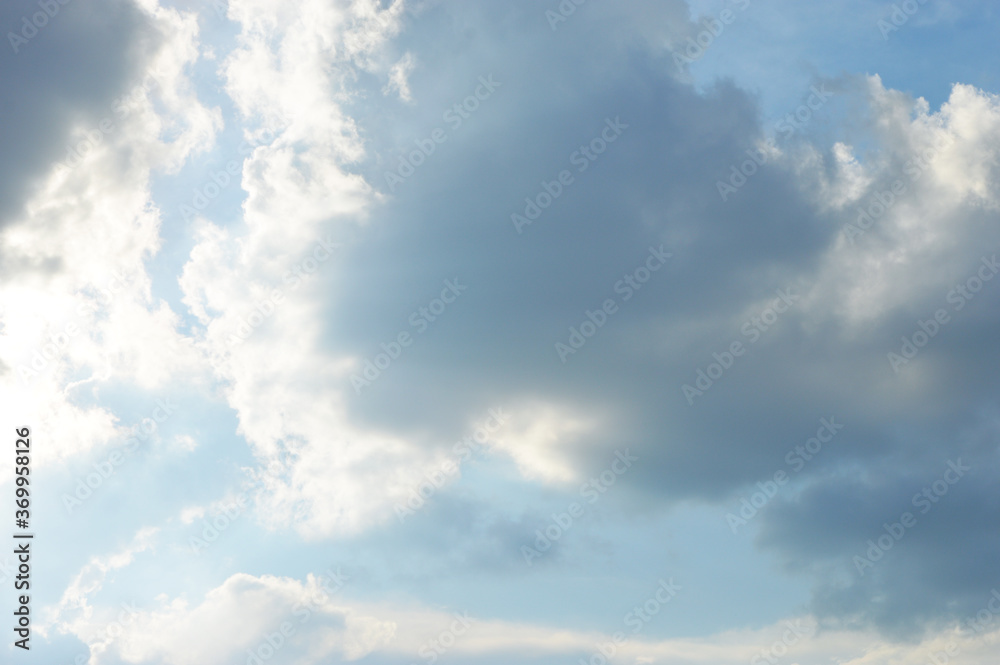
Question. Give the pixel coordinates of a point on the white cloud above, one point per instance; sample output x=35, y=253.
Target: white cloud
x=75, y=613
x=75, y=258
x=540, y=439
x=398, y=77
x=238, y=615
x=946, y=161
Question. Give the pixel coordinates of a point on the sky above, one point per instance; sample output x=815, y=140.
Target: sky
x=552, y=332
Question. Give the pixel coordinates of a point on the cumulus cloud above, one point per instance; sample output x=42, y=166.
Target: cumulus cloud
x=78, y=308
x=304, y=622
x=790, y=230
x=847, y=275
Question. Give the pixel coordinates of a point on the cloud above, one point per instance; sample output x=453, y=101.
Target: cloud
x=68, y=73
x=350, y=456
x=75, y=613
x=304, y=622
x=868, y=222
x=78, y=308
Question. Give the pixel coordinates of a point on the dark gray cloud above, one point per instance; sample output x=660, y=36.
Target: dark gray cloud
x=937, y=570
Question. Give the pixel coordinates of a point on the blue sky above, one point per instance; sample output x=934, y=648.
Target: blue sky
x=352, y=318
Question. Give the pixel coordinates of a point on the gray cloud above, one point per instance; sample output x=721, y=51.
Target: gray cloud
x=656, y=185
x=68, y=73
